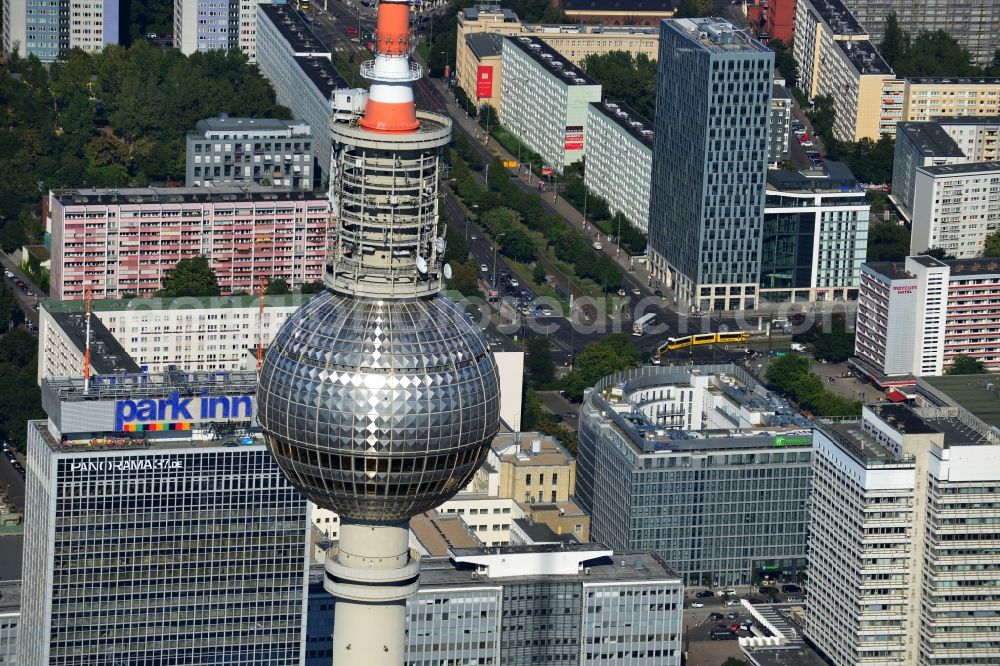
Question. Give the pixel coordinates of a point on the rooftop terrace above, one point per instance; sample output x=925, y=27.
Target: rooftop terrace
x=717, y=35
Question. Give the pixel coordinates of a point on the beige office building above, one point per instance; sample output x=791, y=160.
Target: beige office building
x=836, y=58
x=925, y=98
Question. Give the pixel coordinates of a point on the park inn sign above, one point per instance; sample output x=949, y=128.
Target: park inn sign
x=177, y=411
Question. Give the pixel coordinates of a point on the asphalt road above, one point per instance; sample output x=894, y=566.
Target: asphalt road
x=12, y=482
x=26, y=302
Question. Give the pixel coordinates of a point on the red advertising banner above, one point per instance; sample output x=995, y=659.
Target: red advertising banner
x=573, y=139
x=484, y=81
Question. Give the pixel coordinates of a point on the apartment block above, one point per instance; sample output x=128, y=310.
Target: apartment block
x=159, y=538
x=119, y=242
x=480, y=68
x=544, y=100
x=900, y=505
x=713, y=106
x=47, y=29
x=955, y=206
x=815, y=235
x=916, y=316
x=973, y=23
x=927, y=98
x=780, y=125
x=619, y=159
x=976, y=136
x=518, y=605
x=618, y=12
x=919, y=145
x=837, y=58
x=206, y=25
x=264, y=151
x=779, y=20
x=700, y=464
x=298, y=65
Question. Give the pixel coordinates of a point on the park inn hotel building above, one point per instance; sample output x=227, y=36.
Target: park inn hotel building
x=166, y=538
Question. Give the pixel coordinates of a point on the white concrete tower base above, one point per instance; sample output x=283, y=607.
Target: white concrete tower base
x=371, y=574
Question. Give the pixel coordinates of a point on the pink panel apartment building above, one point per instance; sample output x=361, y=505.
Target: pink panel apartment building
x=124, y=241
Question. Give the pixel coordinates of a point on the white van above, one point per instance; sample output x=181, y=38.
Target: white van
x=798, y=347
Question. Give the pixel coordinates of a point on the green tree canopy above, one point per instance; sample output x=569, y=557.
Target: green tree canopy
x=966, y=365
x=465, y=279
x=935, y=54
x=538, y=360
x=895, y=41
x=278, y=287
x=991, y=248
x=313, y=287
x=600, y=359
x=694, y=8
x=191, y=277
x=784, y=62
x=625, y=77
x=887, y=241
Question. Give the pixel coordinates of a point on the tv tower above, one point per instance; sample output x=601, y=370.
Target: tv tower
x=378, y=398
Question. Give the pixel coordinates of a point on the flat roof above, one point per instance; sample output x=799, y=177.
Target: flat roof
x=293, y=28
x=168, y=195
x=144, y=442
x=107, y=356
x=484, y=44
x=782, y=655
x=180, y=303
x=928, y=261
x=832, y=177
x=972, y=392
x=550, y=59
x=930, y=139
x=540, y=532
x=779, y=91
x=516, y=448
x=903, y=418
x=956, y=80
x=965, y=267
x=966, y=120
x=473, y=13
x=628, y=119
x=960, y=169
x=894, y=270
x=717, y=35
x=864, y=57
x=836, y=15
x=865, y=448
x=11, y=558
x=224, y=123
x=10, y=594
x=154, y=385
x=439, y=533
x=665, y=7
x=323, y=75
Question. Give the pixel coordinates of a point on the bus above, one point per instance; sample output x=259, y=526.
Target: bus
x=643, y=324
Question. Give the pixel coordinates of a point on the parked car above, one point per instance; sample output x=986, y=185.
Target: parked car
x=697, y=604
x=733, y=602
x=598, y=246
x=484, y=268
x=704, y=594
x=715, y=617
x=807, y=143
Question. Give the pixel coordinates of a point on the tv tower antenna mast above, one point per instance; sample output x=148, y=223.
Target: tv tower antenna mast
x=378, y=398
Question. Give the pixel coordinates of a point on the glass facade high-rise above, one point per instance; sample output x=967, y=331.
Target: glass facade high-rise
x=710, y=158
x=158, y=528
x=699, y=464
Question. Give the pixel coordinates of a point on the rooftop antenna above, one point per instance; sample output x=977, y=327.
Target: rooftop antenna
x=86, y=344
x=260, y=329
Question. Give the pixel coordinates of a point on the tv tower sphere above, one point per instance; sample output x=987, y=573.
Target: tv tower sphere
x=379, y=398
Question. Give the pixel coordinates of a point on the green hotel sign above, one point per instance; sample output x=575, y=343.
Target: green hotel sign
x=792, y=441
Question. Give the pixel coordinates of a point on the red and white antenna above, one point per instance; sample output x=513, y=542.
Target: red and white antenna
x=390, y=108
x=86, y=343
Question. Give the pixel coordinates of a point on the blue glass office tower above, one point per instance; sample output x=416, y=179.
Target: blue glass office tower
x=710, y=156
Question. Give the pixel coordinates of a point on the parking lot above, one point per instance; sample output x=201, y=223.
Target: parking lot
x=701, y=623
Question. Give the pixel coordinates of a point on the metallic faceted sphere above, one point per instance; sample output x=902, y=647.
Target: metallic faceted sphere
x=378, y=410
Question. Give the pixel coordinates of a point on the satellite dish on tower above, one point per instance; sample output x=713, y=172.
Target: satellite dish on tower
x=440, y=244
x=421, y=264
x=447, y=271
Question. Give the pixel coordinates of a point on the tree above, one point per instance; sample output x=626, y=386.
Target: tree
x=935, y=54
x=10, y=310
x=895, y=41
x=191, y=277
x=277, y=287
x=822, y=115
x=991, y=248
x=516, y=245
x=17, y=347
x=835, y=345
x=538, y=360
x=604, y=357
x=784, y=62
x=465, y=279
x=733, y=661
x=938, y=253
x=313, y=287
x=694, y=9
x=887, y=241
x=625, y=77
x=966, y=365
x=786, y=370
x=538, y=273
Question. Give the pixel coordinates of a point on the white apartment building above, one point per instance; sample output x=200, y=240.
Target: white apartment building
x=978, y=137
x=902, y=554
x=919, y=145
x=619, y=159
x=955, y=206
x=544, y=100
x=47, y=29
x=217, y=333
x=915, y=317
x=207, y=25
